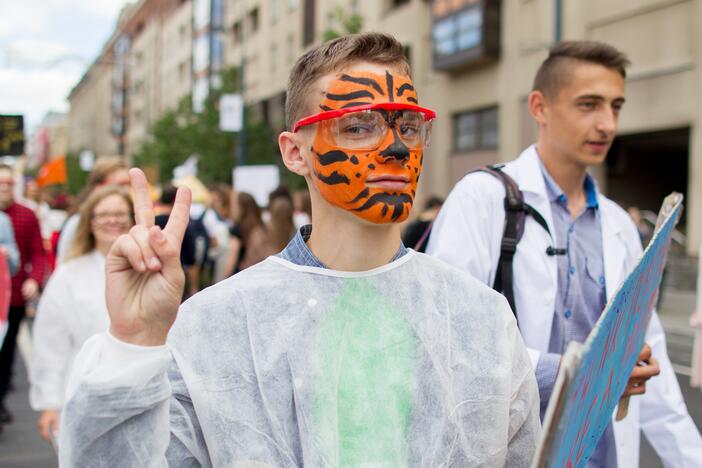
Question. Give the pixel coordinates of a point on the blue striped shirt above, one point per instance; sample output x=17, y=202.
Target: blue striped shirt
x=581, y=295
x=298, y=253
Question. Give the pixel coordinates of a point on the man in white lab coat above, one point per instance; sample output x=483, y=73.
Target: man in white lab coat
x=560, y=292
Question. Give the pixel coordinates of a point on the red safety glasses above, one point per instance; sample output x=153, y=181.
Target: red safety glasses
x=391, y=106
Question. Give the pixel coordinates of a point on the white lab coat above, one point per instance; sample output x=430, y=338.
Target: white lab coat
x=72, y=309
x=468, y=232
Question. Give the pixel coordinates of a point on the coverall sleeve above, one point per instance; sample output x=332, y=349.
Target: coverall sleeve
x=128, y=406
x=524, y=425
x=52, y=345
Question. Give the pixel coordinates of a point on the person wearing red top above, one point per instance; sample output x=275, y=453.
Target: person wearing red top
x=26, y=282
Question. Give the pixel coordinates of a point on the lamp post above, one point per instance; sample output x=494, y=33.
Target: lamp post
x=241, y=157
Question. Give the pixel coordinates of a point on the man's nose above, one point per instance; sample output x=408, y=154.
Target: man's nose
x=396, y=150
x=608, y=122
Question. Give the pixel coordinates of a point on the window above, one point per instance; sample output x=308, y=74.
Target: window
x=465, y=33
x=397, y=3
x=275, y=13
x=253, y=20
x=308, y=23
x=459, y=32
x=475, y=130
x=408, y=54
x=237, y=32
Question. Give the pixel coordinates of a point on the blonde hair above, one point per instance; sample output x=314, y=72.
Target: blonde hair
x=281, y=227
x=84, y=240
x=334, y=56
x=103, y=168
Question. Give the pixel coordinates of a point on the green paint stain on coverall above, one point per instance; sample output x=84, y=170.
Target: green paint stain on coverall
x=364, y=381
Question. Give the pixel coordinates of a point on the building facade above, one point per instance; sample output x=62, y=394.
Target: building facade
x=49, y=140
x=473, y=62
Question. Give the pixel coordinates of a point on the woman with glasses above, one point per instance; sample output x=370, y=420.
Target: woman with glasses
x=72, y=307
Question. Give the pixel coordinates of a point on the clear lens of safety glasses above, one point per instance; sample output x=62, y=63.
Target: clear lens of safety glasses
x=367, y=129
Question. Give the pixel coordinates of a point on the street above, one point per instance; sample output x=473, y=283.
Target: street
x=21, y=446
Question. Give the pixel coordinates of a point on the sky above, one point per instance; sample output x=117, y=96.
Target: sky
x=45, y=47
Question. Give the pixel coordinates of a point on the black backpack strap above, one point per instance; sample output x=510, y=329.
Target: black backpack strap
x=425, y=237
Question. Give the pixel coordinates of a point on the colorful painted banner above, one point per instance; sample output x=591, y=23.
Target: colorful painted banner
x=5, y=290
x=593, y=375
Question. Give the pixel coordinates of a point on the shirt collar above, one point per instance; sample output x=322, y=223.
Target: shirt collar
x=556, y=194
x=297, y=251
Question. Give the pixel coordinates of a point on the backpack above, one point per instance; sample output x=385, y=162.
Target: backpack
x=201, y=239
x=516, y=211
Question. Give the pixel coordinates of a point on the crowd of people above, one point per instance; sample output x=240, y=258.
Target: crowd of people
x=328, y=340
x=55, y=249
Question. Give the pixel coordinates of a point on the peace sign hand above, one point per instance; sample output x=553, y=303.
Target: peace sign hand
x=144, y=275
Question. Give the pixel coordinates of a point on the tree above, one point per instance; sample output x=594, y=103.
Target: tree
x=349, y=23
x=77, y=177
x=180, y=133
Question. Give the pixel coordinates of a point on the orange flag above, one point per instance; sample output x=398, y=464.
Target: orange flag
x=53, y=173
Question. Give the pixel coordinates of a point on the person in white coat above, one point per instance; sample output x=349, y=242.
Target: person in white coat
x=578, y=94
x=72, y=307
x=108, y=170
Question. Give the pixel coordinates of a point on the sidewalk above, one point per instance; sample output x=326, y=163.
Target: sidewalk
x=20, y=444
x=674, y=312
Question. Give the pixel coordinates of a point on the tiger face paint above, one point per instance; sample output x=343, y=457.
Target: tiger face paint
x=376, y=181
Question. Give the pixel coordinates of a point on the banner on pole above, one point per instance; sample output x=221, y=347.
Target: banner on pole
x=259, y=181
x=593, y=375
x=231, y=112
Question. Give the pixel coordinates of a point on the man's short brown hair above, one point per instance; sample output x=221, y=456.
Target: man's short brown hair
x=554, y=72
x=335, y=55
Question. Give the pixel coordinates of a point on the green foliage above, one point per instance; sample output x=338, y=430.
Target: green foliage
x=181, y=133
x=348, y=23
x=77, y=177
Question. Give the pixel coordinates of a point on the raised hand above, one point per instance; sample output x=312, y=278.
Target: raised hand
x=144, y=275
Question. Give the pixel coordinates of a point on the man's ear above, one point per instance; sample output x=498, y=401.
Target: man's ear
x=537, y=106
x=290, y=149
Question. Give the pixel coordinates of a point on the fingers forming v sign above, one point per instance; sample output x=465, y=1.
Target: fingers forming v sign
x=144, y=275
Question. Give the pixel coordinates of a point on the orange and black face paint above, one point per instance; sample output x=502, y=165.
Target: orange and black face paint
x=341, y=173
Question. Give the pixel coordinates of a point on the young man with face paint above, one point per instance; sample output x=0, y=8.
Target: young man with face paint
x=345, y=349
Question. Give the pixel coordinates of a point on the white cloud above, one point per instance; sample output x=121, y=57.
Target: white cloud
x=99, y=8
x=33, y=35
x=29, y=52
x=32, y=16
x=34, y=92
x=27, y=17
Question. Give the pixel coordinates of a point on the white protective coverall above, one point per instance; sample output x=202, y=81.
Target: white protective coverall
x=71, y=309
x=467, y=233
x=411, y=364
